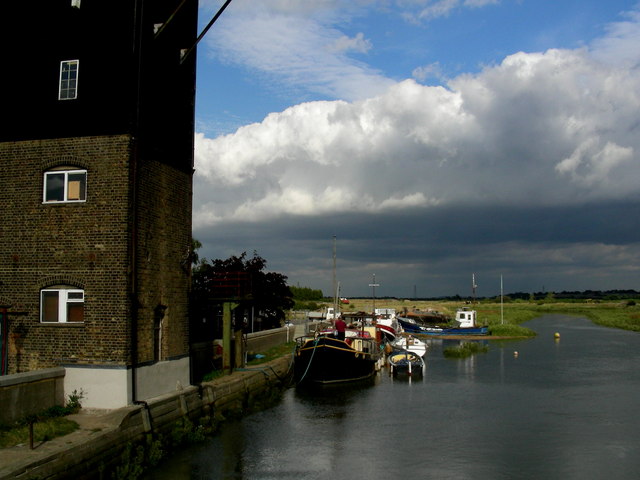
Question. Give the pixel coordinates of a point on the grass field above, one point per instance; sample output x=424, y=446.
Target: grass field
x=502, y=318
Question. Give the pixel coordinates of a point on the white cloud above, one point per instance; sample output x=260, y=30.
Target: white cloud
x=356, y=44
x=620, y=45
x=591, y=163
x=424, y=72
x=297, y=47
x=552, y=127
x=427, y=10
x=438, y=8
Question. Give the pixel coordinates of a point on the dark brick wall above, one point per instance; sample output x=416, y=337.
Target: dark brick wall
x=163, y=220
x=89, y=245
x=80, y=244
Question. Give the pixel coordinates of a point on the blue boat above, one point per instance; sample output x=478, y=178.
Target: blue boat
x=484, y=330
x=409, y=325
x=465, y=318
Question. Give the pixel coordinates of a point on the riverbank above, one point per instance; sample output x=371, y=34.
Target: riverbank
x=118, y=443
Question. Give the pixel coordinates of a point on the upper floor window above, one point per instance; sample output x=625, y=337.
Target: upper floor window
x=65, y=186
x=61, y=305
x=68, y=79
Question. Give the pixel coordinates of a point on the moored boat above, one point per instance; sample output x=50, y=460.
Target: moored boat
x=465, y=320
x=411, y=343
x=405, y=362
x=409, y=325
x=325, y=359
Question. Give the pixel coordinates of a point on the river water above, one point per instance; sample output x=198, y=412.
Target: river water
x=559, y=409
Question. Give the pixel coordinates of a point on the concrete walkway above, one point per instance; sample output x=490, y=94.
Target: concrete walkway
x=15, y=461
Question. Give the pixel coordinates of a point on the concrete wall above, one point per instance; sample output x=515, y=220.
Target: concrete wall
x=162, y=377
x=101, y=387
x=261, y=341
x=111, y=387
x=28, y=393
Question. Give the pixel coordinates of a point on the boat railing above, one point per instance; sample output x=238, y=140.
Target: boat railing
x=366, y=344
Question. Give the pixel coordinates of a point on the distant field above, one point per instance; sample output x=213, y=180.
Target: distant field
x=622, y=314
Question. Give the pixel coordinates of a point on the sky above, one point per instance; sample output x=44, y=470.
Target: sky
x=435, y=139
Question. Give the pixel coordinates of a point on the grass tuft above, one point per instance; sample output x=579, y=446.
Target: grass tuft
x=465, y=350
x=43, y=431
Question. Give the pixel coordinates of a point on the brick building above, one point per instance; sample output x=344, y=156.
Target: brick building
x=97, y=155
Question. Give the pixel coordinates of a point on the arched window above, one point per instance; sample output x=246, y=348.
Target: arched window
x=62, y=305
x=65, y=185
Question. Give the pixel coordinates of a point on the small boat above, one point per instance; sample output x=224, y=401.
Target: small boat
x=404, y=362
x=466, y=320
x=324, y=359
x=412, y=344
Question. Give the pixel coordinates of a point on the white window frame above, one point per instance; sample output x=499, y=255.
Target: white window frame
x=64, y=301
x=66, y=189
x=68, y=87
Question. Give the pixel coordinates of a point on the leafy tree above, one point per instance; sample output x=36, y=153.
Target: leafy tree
x=306, y=293
x=244, y=281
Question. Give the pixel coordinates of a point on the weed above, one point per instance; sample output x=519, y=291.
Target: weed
x=131, y=466
x=73, y=401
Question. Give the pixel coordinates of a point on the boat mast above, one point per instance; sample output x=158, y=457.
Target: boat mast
x=373, y=287
x=335, y=283
x=473, y=287
x=501, y=303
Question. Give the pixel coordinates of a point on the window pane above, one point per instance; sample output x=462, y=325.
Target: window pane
x=49, y=306
x=75, y=312
x=54, y=188
x=76, y=186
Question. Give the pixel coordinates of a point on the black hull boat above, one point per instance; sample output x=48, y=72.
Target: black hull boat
x=326, y=360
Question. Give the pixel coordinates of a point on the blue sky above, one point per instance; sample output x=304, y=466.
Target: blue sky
x=433, y=138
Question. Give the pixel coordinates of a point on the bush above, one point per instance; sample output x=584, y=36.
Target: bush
x=304, y=305
x=511, y=330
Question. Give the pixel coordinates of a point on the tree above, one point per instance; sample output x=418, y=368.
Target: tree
x=244, y=281
x=306, y=298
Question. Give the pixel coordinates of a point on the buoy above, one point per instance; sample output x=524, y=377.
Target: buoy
x=556, y=335
x=515, y=354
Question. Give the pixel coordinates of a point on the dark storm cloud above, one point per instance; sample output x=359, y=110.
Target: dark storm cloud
x=436, y=251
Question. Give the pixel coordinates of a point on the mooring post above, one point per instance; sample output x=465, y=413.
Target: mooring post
x=239, y=349
x=226, y=336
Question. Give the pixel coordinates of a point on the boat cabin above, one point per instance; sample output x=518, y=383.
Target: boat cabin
x=466, y=318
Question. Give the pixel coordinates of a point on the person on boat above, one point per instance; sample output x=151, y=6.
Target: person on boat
x=341, y=327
